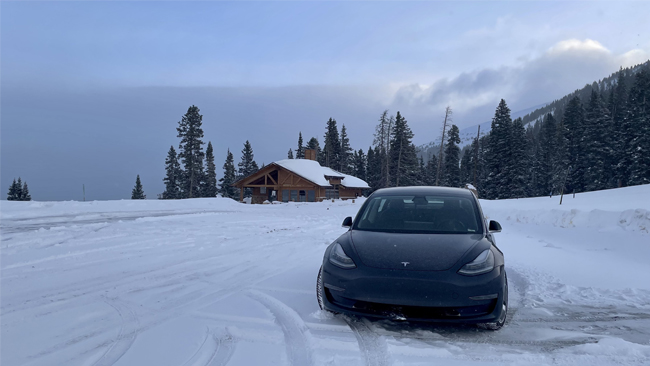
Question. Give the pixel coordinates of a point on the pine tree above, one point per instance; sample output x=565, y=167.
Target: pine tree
x=345, y=153
x=518, y=168
x=573, y=125
x=466, y=164
x=547, y=158
x=532, y=141
x=639, y=120
x=496, y=183
x=622, y=131
x=138, y=193
x=190, y=150
x=373, y=170
x=247, y=165
x=383, y=133
x=404, y=163
x=173, y=176
x=290, y=154
x=14, y=192
x=359, y=162
x=226, y=188
x=210, y=187
x=431, y=171
x=300, y=152
x=314, y=145
x=596, y=144
x=451, y=177
x=25, y=196
x=19, y=190
x=422, y=172
x=332, y=148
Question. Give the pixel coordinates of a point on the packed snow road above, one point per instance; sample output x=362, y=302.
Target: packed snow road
x=214, y=282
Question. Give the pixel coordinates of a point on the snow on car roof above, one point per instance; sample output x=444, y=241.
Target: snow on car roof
x=314, y=172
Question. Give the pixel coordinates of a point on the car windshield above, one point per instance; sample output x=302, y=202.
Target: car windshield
x=420, y=214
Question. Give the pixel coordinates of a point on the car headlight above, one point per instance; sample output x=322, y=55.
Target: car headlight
x=340, y=259
x=484, y=263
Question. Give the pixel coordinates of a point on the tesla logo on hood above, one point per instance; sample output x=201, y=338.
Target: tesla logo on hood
x=406, y=263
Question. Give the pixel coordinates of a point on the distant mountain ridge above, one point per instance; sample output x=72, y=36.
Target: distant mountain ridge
x=535, y=114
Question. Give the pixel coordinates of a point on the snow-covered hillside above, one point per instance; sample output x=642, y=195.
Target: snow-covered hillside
x=214, y=282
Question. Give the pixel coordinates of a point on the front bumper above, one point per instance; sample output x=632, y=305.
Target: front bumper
x=439, y=296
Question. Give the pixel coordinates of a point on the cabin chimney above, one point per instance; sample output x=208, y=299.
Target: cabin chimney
x=310, y=154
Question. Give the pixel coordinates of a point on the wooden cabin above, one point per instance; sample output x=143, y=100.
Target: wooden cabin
x=300, y=180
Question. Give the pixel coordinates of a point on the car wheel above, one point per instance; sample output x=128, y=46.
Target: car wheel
x=504, y=313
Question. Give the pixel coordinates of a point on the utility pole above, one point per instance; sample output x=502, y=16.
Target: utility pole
x=84, y=189
x=442, y=141
x=478, y=134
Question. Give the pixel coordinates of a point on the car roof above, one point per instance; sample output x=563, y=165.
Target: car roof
x=423, y=191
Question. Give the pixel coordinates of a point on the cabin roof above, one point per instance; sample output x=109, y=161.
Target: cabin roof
x=314, y=172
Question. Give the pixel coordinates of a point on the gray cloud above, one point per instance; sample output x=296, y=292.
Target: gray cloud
x=58, y=138
x=560, y=70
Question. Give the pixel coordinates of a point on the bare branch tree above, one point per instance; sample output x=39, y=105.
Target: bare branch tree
x=448, y=113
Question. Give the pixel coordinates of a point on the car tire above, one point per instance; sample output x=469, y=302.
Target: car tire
x=320, y=290
x=504, y=314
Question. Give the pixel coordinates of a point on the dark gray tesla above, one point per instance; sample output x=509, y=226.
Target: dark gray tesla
x=417, y=253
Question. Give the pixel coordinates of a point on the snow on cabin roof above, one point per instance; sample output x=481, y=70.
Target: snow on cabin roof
x=314, y=172
x=307, y=169
x=353, y=182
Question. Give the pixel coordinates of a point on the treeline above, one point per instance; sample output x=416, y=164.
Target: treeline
x=191, y=172
x=600, y=142
x=587, y=142
x=391, y=161
x=18, y=191
x=585, y=145
x=336, y=152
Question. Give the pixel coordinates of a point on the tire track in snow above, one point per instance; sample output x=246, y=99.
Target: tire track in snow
x=372, y=346
x=126, y=336
x=214, y=351
x=297, y=336
x=520, y=285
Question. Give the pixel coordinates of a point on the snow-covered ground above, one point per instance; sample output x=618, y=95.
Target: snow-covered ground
x=214, y=282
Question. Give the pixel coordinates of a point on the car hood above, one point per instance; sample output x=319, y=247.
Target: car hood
x=422, y=252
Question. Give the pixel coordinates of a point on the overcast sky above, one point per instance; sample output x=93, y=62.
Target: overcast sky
x=91, y=92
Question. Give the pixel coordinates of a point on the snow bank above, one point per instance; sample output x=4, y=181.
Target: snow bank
x=604, y=210
x=21, y=210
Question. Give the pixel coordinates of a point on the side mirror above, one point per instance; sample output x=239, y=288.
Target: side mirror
x=494, y=227
x=347, y=222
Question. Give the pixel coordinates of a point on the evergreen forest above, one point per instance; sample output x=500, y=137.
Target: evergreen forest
x=595, y=138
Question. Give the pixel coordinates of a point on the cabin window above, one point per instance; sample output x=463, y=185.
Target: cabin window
x=285, y=195
x=332, y=193
x=294, y=195
x=262, y=190
x=311, y=196
x=302, y=196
